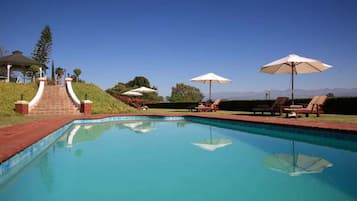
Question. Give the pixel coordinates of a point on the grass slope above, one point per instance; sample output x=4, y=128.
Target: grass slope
x=103, y=103
x=11, y=92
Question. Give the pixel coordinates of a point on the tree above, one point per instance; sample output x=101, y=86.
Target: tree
x=138, y=81
x=34, y=69
x=77, y=72
x=53, y=72
x=330, y=95
x=43, y=48
x=185, y=93
x=117, y=89
x=59, y=72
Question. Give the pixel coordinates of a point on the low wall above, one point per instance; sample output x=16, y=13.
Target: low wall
x=71, y=92
x=39, y=93
x=336, y=105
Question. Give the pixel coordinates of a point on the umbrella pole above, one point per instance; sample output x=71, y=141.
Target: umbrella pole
x=292, y=82
x=294, y=157
x=210, y=83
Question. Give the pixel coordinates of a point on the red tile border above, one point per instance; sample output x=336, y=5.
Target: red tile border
x=15, y=138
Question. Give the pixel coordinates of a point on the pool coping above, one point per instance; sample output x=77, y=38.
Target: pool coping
x=14, y=139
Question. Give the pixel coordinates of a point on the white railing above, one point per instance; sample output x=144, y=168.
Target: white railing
x=71, y=92
x=39, y=93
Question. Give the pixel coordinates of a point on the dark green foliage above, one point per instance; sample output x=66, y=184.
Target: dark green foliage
x=43, y=48
x=341, y=105
x=153, y=96
x=117, y=89
x=138, y=81
x=335, y=105
x=179, y=105
x=33, y=69
x=185, y=93
x=59, y=72
x=77, y=72
x=53, y=72
x=330, y=95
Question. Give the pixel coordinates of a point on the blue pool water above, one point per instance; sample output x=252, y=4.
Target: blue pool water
x=188, y=159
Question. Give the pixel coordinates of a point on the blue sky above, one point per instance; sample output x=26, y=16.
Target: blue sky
x=173, y=41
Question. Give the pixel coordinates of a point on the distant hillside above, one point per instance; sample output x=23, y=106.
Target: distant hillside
x=11, y=92
x=103, y=103
x=298, y=93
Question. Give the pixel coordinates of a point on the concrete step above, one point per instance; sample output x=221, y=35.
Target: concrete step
x=55, y=100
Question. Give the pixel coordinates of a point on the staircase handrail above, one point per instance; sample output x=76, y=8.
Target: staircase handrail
x=71, y=92
x=39, y=93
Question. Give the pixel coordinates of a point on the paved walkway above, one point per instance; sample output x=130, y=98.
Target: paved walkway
x=16, y=138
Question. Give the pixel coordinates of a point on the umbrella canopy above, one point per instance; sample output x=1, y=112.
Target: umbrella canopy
x=143, y=90
x=132, y=93
x=294, y=64
x=211, y=78
x=296, y=164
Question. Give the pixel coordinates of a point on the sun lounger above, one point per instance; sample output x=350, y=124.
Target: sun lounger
x=314, y=107
x=209, y=108
x=139, y=107
x=274, y=108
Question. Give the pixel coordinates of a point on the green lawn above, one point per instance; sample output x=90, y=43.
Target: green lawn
x=11, y=92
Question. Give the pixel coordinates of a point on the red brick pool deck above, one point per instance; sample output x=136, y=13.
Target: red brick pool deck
x=16, y=138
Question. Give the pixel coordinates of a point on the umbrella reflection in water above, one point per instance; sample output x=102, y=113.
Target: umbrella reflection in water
x=212, y=144
x=140, y=126
x=296, y=164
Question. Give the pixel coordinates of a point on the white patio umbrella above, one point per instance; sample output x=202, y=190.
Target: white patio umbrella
x=144, y=90
x=132, y=93
x=294, y=64
x=211, y=78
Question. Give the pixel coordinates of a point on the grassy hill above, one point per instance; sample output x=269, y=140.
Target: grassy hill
x=11, y=92
x=103, y=103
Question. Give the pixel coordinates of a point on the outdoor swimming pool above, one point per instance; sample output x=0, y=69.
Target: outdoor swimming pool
x=175, y=158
